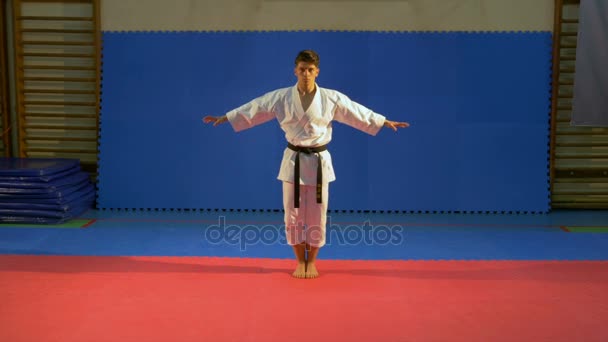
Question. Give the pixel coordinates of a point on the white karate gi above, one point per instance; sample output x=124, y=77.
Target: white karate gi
x=309, y=128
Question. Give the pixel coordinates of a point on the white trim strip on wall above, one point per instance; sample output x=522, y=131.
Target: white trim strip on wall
x=340, y=15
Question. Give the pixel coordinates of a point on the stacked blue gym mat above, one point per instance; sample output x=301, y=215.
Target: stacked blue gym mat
x=48, y=191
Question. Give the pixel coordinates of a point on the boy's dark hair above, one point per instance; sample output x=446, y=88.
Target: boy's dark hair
x=308, y=56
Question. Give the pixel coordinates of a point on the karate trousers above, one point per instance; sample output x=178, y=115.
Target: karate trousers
x=306, y=224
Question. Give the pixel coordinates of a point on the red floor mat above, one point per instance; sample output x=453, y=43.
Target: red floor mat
x=62, y=298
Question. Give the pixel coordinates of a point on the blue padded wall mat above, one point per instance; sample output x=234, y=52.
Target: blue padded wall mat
x=479, y=105
x=16, y=167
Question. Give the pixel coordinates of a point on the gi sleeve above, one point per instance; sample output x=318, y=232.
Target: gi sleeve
x=357, y=116
x=251, y=114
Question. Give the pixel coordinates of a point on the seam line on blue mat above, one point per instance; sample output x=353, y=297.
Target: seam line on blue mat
x=247, y=222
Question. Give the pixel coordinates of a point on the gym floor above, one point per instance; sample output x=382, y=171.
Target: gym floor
x=226, y=275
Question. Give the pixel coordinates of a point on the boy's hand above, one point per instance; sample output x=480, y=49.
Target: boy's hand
x=216, y=120
x=394, y=124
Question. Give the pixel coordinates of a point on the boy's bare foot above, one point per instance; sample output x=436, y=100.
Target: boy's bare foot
x=300, y=271
x=311, y=270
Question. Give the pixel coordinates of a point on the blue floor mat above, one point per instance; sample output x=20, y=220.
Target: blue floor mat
x=35, y=167
x=59, y=197
x=42, y=178
x=260, y=235
x=34, y=190
x=66, y=180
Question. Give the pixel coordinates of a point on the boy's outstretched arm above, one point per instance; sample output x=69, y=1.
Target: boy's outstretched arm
x=215, y=119
x=394, y=124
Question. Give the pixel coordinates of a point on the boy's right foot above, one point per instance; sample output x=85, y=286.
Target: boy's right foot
x=300, y=271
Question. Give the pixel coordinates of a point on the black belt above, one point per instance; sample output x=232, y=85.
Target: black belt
x=296, y=174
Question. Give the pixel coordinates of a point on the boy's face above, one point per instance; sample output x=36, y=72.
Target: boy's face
x=306, y=73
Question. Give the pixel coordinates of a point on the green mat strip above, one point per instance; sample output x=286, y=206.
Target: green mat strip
x=583, y=229
x=70, y=224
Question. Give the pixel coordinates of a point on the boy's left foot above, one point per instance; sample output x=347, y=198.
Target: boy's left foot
x=311, y=271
